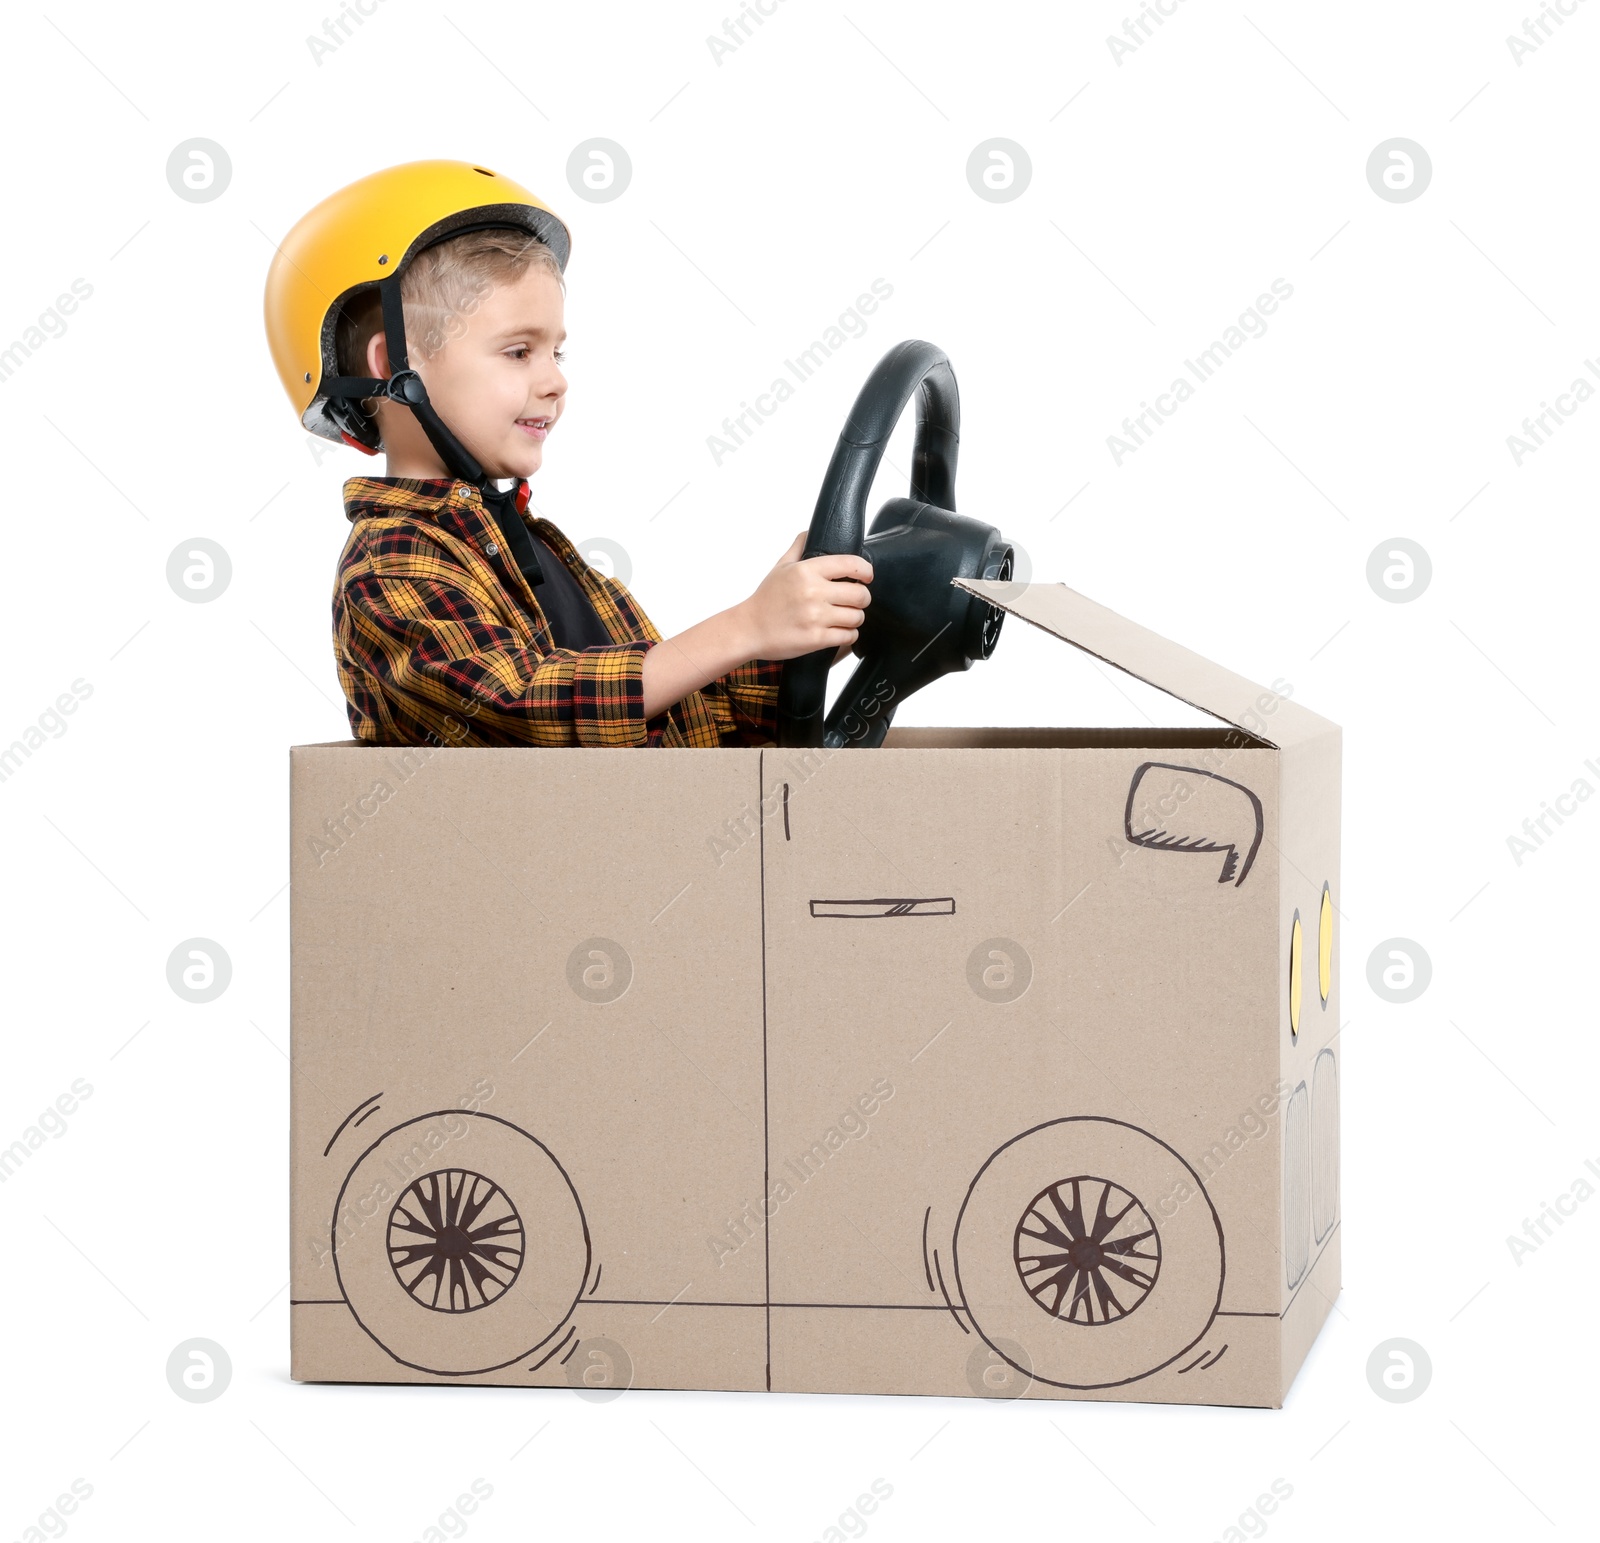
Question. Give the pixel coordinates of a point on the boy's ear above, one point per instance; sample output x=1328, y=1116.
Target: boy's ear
x=378, y=356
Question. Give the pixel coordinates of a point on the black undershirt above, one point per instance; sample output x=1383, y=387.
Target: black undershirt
x=574, y=622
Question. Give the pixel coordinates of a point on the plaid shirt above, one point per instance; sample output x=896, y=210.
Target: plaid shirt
x=440, y=642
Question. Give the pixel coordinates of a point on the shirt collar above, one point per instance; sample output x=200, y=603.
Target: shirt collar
x=458, y=507
x=449, y=503
x=427, y=497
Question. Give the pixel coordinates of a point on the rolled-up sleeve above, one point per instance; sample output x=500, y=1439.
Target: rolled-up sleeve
x=436, y=650
x=749, y=697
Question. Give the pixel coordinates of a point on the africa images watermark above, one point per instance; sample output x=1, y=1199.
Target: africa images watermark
x=1250, y=323
x=852, y=1521
x=1536, y=1233
x=738, y=29
x=451, y=1523
x=338, y=830
x=52, y=1521
x=1254, y=1122
x=1536, y=828
x=1158, y=808
x=1538, y=428
x=50, y=323
x=338, y=28
x=738, y=830
x=1137, y=30
x=851, y=1126
x=403, y=1167
x=851, y=322
x=1252, y=1521
x=1538, y=29
x=52, y=721
x=52, y=1122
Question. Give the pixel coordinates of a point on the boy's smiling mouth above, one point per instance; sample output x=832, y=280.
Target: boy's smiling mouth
x=536, y=427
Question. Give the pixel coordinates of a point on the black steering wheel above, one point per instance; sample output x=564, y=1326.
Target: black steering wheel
x=839, y=522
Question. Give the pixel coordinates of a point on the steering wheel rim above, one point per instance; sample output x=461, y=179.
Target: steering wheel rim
x=839, y=521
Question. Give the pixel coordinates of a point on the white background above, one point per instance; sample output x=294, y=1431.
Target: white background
x=1167, y=191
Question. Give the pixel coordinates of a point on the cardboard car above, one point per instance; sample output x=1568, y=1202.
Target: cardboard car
x=991, y=1062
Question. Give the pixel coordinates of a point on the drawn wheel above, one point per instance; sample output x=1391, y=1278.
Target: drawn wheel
x=455, y=1241
x=459, y=1242
x=1088, y=1254
x=1087, y=1251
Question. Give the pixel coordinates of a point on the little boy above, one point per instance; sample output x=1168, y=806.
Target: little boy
x=419, y=312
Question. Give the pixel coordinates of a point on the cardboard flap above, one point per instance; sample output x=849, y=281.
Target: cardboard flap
x=1156, y=660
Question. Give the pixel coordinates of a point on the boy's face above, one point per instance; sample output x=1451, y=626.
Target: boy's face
x=497, y=383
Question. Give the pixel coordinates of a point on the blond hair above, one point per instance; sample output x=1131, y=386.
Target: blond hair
x=440, y=288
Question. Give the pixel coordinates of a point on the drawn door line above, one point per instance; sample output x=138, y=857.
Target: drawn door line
x=886, y=905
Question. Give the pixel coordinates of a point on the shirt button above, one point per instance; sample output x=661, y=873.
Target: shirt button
x=492, y=548
x=466, y=493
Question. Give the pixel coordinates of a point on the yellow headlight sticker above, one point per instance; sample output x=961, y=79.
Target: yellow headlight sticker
x=1294, y=977
x=1325, y=946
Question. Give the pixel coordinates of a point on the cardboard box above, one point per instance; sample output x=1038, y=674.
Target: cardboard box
x=993, y=1062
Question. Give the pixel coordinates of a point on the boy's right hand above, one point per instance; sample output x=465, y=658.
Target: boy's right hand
x=802, y=606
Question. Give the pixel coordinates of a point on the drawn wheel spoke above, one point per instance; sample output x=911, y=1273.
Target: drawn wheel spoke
x=455, y=1241
x=1087, y=1251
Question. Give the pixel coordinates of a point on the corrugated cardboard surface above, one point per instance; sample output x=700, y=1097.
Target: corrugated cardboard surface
x=955, y=1067
x=1310, y=1059
x=1144, y=1030
x=431, y=977
x=1086, y=624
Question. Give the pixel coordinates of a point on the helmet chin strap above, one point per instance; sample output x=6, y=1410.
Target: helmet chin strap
x=405, y=386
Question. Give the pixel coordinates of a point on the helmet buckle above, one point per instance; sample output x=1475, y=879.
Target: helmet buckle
x=406, y=386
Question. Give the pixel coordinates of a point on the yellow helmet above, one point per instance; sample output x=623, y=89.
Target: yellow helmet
x=363, y=237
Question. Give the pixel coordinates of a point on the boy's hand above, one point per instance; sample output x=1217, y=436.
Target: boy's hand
x=802, y=606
